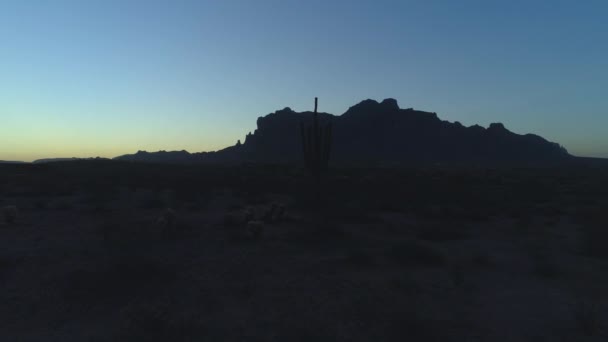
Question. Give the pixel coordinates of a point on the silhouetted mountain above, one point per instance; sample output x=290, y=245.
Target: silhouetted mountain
x=12, y=162
x=158, y=157
x=373, y=132
x=53, y=160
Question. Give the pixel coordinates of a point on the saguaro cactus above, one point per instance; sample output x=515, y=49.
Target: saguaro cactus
x=316, y=145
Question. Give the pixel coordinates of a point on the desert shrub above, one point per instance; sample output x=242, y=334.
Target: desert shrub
x=360, y=258
x=524, y=223
x=405, y=283
x=551, y=222
x=167, y=222
x=234, y=219
x=96, y=202
x=9, y=213
x=169, y=198
x=278, y=212
x=187, y=194
x=109, y=230
x=6, y=265
x=255, y=229
x=150, y=199
x=123, y=275
x=152, y=203
x=402, y=320
x=329, y=230
x=456, y=273
x=442, y=232
x=249, y=214
x=235, y=206
x=595, y=240
x=586, y=316
x=482, y=259
x=320, y=232
x=414, y=253
x=40, y=204
x=272, y=213
x=476, y=215
x=149, y=322
x=352, y=211
x=555, y=210
x=122, y=232
x=546, y=268
x=389, y=204
x=61, y=204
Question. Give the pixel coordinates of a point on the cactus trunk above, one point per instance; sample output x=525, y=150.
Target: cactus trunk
x=316, y=147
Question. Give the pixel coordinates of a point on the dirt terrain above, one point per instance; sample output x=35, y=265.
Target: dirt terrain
x=111, y=251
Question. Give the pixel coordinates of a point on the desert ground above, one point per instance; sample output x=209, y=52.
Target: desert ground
x=117, y=251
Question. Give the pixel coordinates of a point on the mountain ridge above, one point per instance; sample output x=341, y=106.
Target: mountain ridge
x=12, y=162
x=376, y=132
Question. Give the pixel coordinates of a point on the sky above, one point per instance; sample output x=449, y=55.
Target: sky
x=86, y=78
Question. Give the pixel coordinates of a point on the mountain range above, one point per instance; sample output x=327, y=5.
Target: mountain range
x=12, y=162
x=48, y=160
x=372, y=132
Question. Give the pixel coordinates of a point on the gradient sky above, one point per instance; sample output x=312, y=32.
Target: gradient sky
x=102, y=78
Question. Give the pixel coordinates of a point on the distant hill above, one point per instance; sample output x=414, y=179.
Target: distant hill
x=53, y=160
x=159, y=157
x=377, y=132
x=11, y=162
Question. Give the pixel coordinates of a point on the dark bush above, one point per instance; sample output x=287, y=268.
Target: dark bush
x=413, y=253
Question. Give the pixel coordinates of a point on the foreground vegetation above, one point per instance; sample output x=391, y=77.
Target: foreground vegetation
x=110, y=251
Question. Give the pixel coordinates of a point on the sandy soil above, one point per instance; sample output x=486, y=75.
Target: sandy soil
x=73, y=271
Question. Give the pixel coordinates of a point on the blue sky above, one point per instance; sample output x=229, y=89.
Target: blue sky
x=103, y=78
